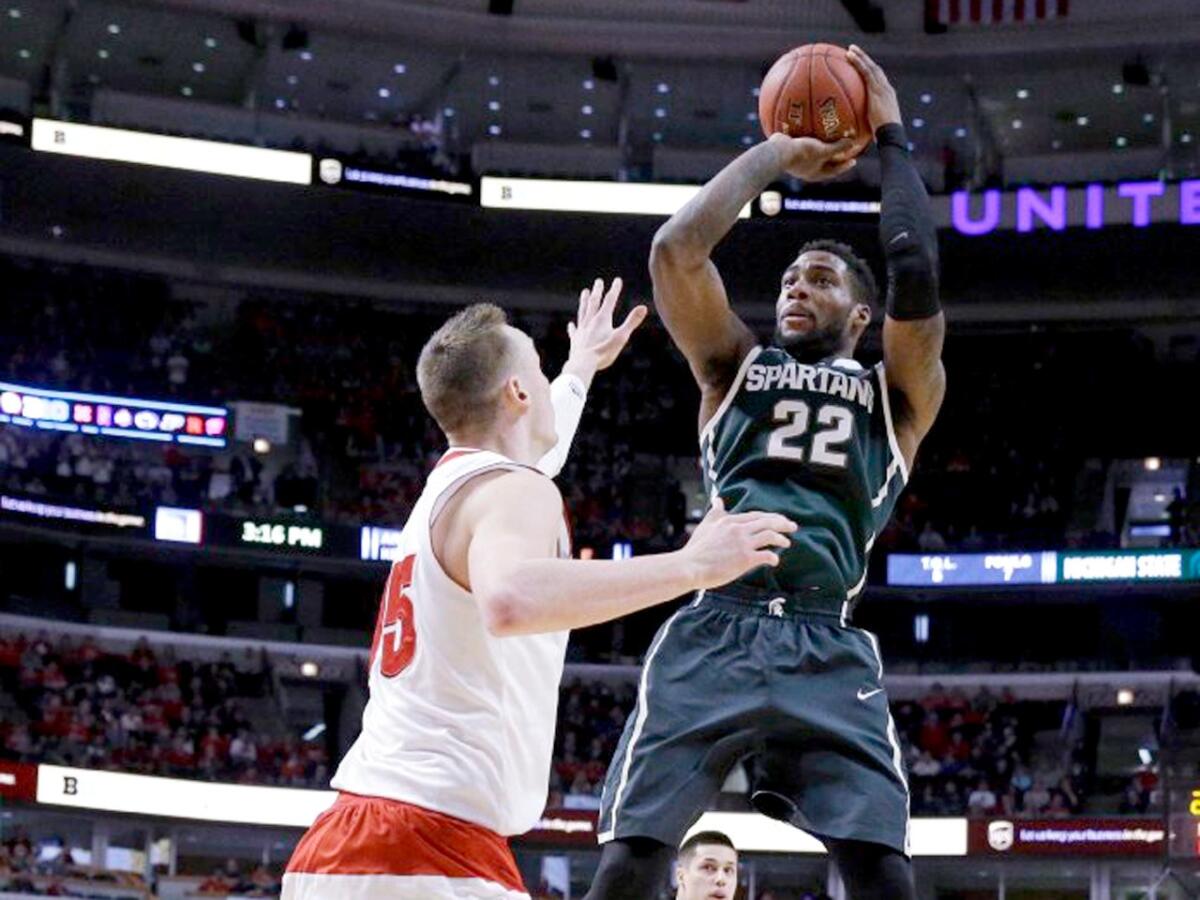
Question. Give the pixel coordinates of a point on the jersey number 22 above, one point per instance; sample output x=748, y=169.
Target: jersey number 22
x=835, y=426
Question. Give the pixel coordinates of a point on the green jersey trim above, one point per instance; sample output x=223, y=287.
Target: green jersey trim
x=712, y=423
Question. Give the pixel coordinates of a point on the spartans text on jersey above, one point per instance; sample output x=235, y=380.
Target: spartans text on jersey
x=766, y=377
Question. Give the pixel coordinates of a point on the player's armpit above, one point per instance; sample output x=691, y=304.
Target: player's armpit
x=912, y=358
x=513, y=518
x=691, y=299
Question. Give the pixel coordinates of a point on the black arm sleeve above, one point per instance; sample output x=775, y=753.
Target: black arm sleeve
x=906, y=231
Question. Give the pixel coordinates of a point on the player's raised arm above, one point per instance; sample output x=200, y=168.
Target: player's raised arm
x=688, y=291
x=523, y=588
x=596, y=342
x=915, y=327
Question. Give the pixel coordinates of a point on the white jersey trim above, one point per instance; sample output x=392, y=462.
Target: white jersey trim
x=310, y=886
x=711, y=424
x=894, y=740
x=898, y=457
x=640, y=723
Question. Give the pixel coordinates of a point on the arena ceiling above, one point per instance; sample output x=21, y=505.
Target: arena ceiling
x=682, y=73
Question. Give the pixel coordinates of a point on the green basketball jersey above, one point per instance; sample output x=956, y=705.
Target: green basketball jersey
x=815, y=443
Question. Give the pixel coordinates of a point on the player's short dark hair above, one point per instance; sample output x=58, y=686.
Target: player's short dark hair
x=866, y=289
x=688, y=847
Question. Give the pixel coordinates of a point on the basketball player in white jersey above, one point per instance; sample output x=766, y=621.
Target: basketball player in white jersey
x=454, y=755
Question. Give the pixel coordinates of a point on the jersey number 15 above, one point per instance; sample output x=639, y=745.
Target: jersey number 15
x=835, y=427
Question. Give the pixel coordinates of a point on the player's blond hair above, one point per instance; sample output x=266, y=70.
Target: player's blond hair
x=461, y=367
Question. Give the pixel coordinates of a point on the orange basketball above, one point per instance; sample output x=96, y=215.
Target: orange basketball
x=815, y=91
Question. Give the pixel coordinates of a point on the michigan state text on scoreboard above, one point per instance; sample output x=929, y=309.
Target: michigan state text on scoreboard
x=1044, y=567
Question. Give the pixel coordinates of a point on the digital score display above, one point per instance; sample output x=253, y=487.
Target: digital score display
x=123, y=417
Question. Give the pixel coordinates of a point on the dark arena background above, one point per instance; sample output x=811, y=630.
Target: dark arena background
x=226, y=229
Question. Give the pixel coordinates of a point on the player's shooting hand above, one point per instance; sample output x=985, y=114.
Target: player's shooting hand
x=596, y=341
x=811, y=160
x=882, y=106
x=724, y=546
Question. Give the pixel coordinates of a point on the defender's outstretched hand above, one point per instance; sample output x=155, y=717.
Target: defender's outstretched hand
x=724, y=546
x=811, y=160
x=595, y=341
x=882, y=106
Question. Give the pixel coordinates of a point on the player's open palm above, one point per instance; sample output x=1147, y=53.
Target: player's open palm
x=882, y=106
x=725, y=546
x=808, y=159
x=595, y=339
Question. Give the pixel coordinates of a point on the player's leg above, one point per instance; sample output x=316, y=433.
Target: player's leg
x=631, y=869
x=697, y=713
x=831, y=763
x=873, y=871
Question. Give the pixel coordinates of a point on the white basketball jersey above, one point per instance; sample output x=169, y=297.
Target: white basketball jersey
x=458, y=721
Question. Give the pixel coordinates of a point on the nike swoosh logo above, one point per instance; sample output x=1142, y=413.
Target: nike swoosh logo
x=867, y=695
x=902, y=234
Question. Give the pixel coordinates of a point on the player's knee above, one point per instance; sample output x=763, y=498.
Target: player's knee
x=873, y=871
x=631, y=869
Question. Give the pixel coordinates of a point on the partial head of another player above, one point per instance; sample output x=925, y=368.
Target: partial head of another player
x=826, y=299
x=480, y=377
x=707, y=867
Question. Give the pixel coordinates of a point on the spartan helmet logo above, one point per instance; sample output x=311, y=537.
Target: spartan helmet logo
x=775, y=607
x=1000, y=835
x=331, y=171
x=770, y=202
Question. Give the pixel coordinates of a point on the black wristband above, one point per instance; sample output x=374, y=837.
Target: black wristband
x=892, y=134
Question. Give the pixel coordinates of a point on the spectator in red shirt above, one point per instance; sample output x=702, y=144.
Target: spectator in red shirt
x=933, y=737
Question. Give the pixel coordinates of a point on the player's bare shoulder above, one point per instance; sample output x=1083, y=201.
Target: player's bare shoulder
x=497, y=501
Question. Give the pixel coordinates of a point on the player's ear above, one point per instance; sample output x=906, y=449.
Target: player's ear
x=514, y=392
x=862, y=316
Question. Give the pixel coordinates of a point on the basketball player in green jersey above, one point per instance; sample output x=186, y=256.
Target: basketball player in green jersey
x=768, y=669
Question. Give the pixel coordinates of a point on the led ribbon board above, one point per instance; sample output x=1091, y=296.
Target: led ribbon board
x=1046, y=567
x=124, y=417
x=189, y=154
x=613, y=197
